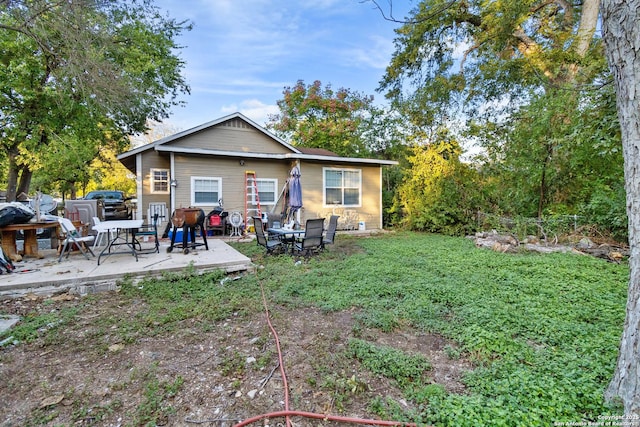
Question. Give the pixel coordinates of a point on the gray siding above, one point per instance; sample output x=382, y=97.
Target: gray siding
x=233, y=135
x=233, y=178
x=152, y=160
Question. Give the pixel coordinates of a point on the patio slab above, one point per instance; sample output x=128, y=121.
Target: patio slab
x=79, y=275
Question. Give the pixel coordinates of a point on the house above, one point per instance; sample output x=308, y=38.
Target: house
x=214, y=162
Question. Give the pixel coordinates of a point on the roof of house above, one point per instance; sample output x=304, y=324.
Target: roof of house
x=317, y=151
x=316, y=154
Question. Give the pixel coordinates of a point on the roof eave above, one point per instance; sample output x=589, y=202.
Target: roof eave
x=273, y=156
x=202, y=127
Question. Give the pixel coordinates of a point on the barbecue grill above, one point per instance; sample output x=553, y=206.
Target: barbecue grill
x=189, y=219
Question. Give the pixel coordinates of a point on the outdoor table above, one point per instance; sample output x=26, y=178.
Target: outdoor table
x=287, y=236
x=124, y=236
x=30, y=230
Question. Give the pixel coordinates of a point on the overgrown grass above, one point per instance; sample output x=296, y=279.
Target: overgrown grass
x=542, y=330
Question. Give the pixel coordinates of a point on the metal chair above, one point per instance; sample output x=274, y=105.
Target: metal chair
x=148, y=230
x=270, y=245
x=73, y=237
x=330, y=235
x=312, y=241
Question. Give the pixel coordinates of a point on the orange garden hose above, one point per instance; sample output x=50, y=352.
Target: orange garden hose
x=287, y=413
x=321, y=417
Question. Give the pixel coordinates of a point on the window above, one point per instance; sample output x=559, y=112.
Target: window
x=342, y=187
x=205, y=191
x=267, y=191
x=159, y=181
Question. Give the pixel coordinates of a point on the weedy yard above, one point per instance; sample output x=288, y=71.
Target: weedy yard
x=408, y=327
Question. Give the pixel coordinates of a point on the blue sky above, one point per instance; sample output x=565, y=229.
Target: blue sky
x=242, y=53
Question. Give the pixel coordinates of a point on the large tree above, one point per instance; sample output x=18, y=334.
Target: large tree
x=621, y=29
x=483, y=61
x=314, y=116
x=84, y=72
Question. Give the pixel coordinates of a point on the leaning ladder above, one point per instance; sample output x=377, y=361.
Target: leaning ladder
x=251, y=197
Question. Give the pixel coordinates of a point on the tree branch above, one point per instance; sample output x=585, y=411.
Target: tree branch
x=433, y=14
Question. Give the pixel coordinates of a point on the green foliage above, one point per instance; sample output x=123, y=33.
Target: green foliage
x=343, y=122
x=78, y=76
x=543, y=330
x=182, y=296
x=555, y=154
x=389, y=362
x=33, y=325
x=232, y=364
x=512, y=48
x=534, y=94
x=316, y=117
x=439, y=193
x=607, y=209
x=154, y=408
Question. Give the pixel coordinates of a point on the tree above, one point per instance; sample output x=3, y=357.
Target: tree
x=551, y=160
x=346, y=123
x=84, y=72
x=318, y=117
x=621, y=30
x=486, y=60
x=439, y=192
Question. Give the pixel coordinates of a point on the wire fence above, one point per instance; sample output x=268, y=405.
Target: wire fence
x=541, y=227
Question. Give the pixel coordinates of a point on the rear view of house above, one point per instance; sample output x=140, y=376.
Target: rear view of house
x=236, y=162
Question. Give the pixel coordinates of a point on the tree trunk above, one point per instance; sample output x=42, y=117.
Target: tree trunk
x=543, y=178
x=588, y=23
x=12, y=178
x=25, y=180
x=621, y=30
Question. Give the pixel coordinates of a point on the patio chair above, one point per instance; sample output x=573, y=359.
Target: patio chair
x=274, y=220
x=330, y=235
x=270, y=245
x=312, y=241
x=72, y=238
x=148, y=230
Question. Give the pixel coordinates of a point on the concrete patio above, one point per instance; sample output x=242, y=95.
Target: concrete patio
x=76, y=274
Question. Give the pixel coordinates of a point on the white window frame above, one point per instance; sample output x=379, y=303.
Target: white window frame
x=275, y=191
x=205, y=178
x=152, y=183
x=329, y=203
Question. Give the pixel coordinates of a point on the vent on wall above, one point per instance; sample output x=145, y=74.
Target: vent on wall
x=236, y=123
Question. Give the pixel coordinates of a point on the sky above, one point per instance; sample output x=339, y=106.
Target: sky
x=241, y=54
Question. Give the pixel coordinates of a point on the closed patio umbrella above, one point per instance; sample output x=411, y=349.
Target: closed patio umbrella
x=295, y=192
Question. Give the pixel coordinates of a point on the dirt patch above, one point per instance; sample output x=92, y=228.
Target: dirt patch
x=200, y=374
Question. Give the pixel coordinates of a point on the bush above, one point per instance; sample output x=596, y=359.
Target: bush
x=607, y=210
x=440, y=194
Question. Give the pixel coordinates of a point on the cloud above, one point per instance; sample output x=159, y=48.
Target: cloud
x=254, y=109
x=240, y=55
x=375, y=55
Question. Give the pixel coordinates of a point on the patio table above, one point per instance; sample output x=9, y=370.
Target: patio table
x=287, y=236
x=30, y=230
x=124, y=236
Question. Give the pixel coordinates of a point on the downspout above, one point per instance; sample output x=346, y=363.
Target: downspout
x=381, y=219
x=140, y=204
x=172, y=180
x=299, y=210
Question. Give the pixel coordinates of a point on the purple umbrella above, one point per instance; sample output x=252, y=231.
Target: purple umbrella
x=295, y=191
